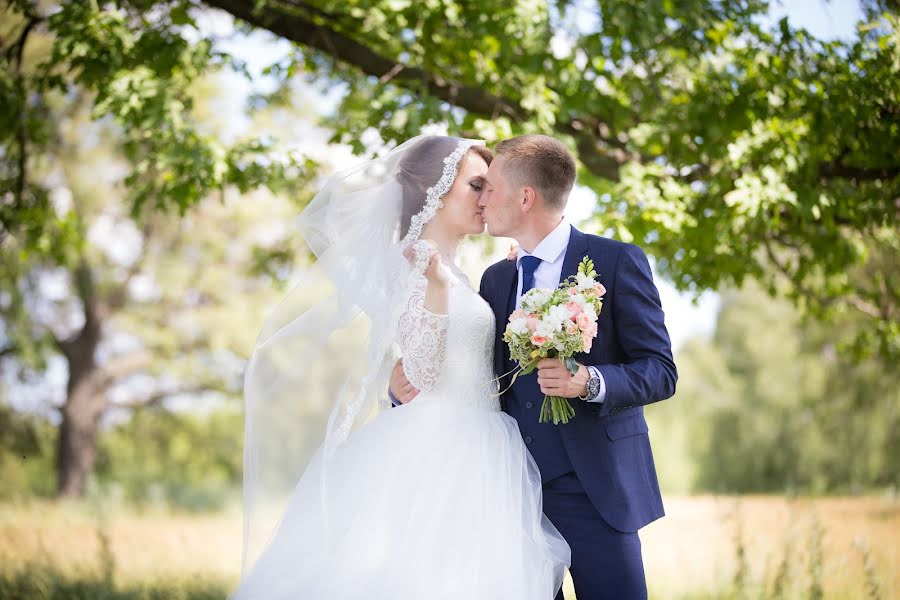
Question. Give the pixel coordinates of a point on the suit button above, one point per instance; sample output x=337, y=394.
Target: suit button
x=529, y=404
x=528, y=439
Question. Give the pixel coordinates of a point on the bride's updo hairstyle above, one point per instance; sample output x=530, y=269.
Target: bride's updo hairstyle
x=421, y=168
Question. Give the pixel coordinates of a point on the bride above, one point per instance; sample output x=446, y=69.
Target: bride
x=434, y=499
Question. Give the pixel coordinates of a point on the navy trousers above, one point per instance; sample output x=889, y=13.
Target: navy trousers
x=606, y=563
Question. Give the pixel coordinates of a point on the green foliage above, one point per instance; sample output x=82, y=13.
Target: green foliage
x=177, y=459
x=26, y=455
x=728, y=150
x=155, y=458
x=768, y=405
x=133, y=62
x=190, y=292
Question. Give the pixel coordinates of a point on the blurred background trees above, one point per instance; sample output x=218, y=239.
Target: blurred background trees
x=768, y=404
x=145, y=213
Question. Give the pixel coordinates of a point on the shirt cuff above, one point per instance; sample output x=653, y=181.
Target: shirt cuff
x=601, y=394
x=396, y=402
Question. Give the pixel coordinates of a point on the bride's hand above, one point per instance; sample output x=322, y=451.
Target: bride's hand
x=424, y=255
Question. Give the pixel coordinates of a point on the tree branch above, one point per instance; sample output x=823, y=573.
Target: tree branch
x=160, y=395
x=791, y=277
x=864, y=306
x=602, y=154
x=294, y=26
x=837, y=170
x=854, y=300
x=14, y=56
x=120, y=366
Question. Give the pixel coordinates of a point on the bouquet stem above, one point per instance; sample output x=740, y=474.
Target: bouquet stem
x=556, y=409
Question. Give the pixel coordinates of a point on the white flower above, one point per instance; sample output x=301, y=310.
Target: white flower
x=545, y=329
x=518, y=326
x=584, y=282
x=536, y=298
x=579, y=299
x=590, y=312
x=557, y=315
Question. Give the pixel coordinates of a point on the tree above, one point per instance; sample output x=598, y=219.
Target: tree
x=727, y=150
x=134, y=68
x=770, y=406
x=146, y=306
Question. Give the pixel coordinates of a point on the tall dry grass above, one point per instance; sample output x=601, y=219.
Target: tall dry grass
x=706, y=547
x=774, y=547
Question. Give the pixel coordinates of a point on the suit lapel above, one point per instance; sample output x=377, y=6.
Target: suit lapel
x=506, y=300
x=575, y=251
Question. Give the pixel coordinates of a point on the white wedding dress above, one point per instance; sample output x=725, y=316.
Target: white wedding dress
x=435, y=499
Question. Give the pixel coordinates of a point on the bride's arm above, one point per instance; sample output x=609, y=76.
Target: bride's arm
x=422, y=329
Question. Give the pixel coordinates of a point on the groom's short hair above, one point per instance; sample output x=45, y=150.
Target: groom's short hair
x=541, y=162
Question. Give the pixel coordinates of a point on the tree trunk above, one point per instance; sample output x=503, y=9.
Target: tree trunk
x=77, y=443
x=85, y=395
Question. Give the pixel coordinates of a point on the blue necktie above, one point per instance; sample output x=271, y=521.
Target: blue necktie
x=529, y=266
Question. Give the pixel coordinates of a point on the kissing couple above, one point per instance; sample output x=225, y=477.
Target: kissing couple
x=437, y=477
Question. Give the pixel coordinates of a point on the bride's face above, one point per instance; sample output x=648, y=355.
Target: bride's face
x=461, y=212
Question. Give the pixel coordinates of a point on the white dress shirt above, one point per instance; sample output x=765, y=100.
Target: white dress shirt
x=552, y=252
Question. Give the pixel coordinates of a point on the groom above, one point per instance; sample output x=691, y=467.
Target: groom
x=599, y=480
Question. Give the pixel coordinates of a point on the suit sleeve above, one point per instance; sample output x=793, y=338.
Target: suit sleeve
x=648, y=373
x=484, y=276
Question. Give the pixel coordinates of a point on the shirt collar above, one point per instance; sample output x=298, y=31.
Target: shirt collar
x=552, y=246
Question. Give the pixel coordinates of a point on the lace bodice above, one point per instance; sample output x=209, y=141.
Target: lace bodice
x=449, y=357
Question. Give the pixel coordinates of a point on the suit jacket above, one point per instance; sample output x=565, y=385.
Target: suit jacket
x=606, y=445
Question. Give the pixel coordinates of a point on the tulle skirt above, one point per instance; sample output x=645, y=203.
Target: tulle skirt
x=431, y=500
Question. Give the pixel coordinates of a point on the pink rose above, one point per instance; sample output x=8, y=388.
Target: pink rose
x=517, y=314
x=538, y=340
x=571, y=328
x=583, y=321
x=599, y=290
x=572, y=291
x=592, y=330
x=532, y=322
x=573, y=308
x=588, y=341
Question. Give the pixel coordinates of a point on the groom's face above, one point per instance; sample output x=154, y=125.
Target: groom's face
x=500, y=202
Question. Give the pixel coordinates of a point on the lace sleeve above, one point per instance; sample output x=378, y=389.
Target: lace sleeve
x=422, y=336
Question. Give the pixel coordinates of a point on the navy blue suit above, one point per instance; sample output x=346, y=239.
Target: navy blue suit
x=599, y=479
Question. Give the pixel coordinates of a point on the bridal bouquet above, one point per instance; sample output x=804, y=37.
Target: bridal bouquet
x=556, y=324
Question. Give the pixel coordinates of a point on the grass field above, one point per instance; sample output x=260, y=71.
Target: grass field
x=707, y=547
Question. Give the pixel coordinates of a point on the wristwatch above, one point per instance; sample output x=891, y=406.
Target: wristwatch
x=593, y=385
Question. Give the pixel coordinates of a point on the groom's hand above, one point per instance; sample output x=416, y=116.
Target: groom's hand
x=400, y=386
x=555, y=379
